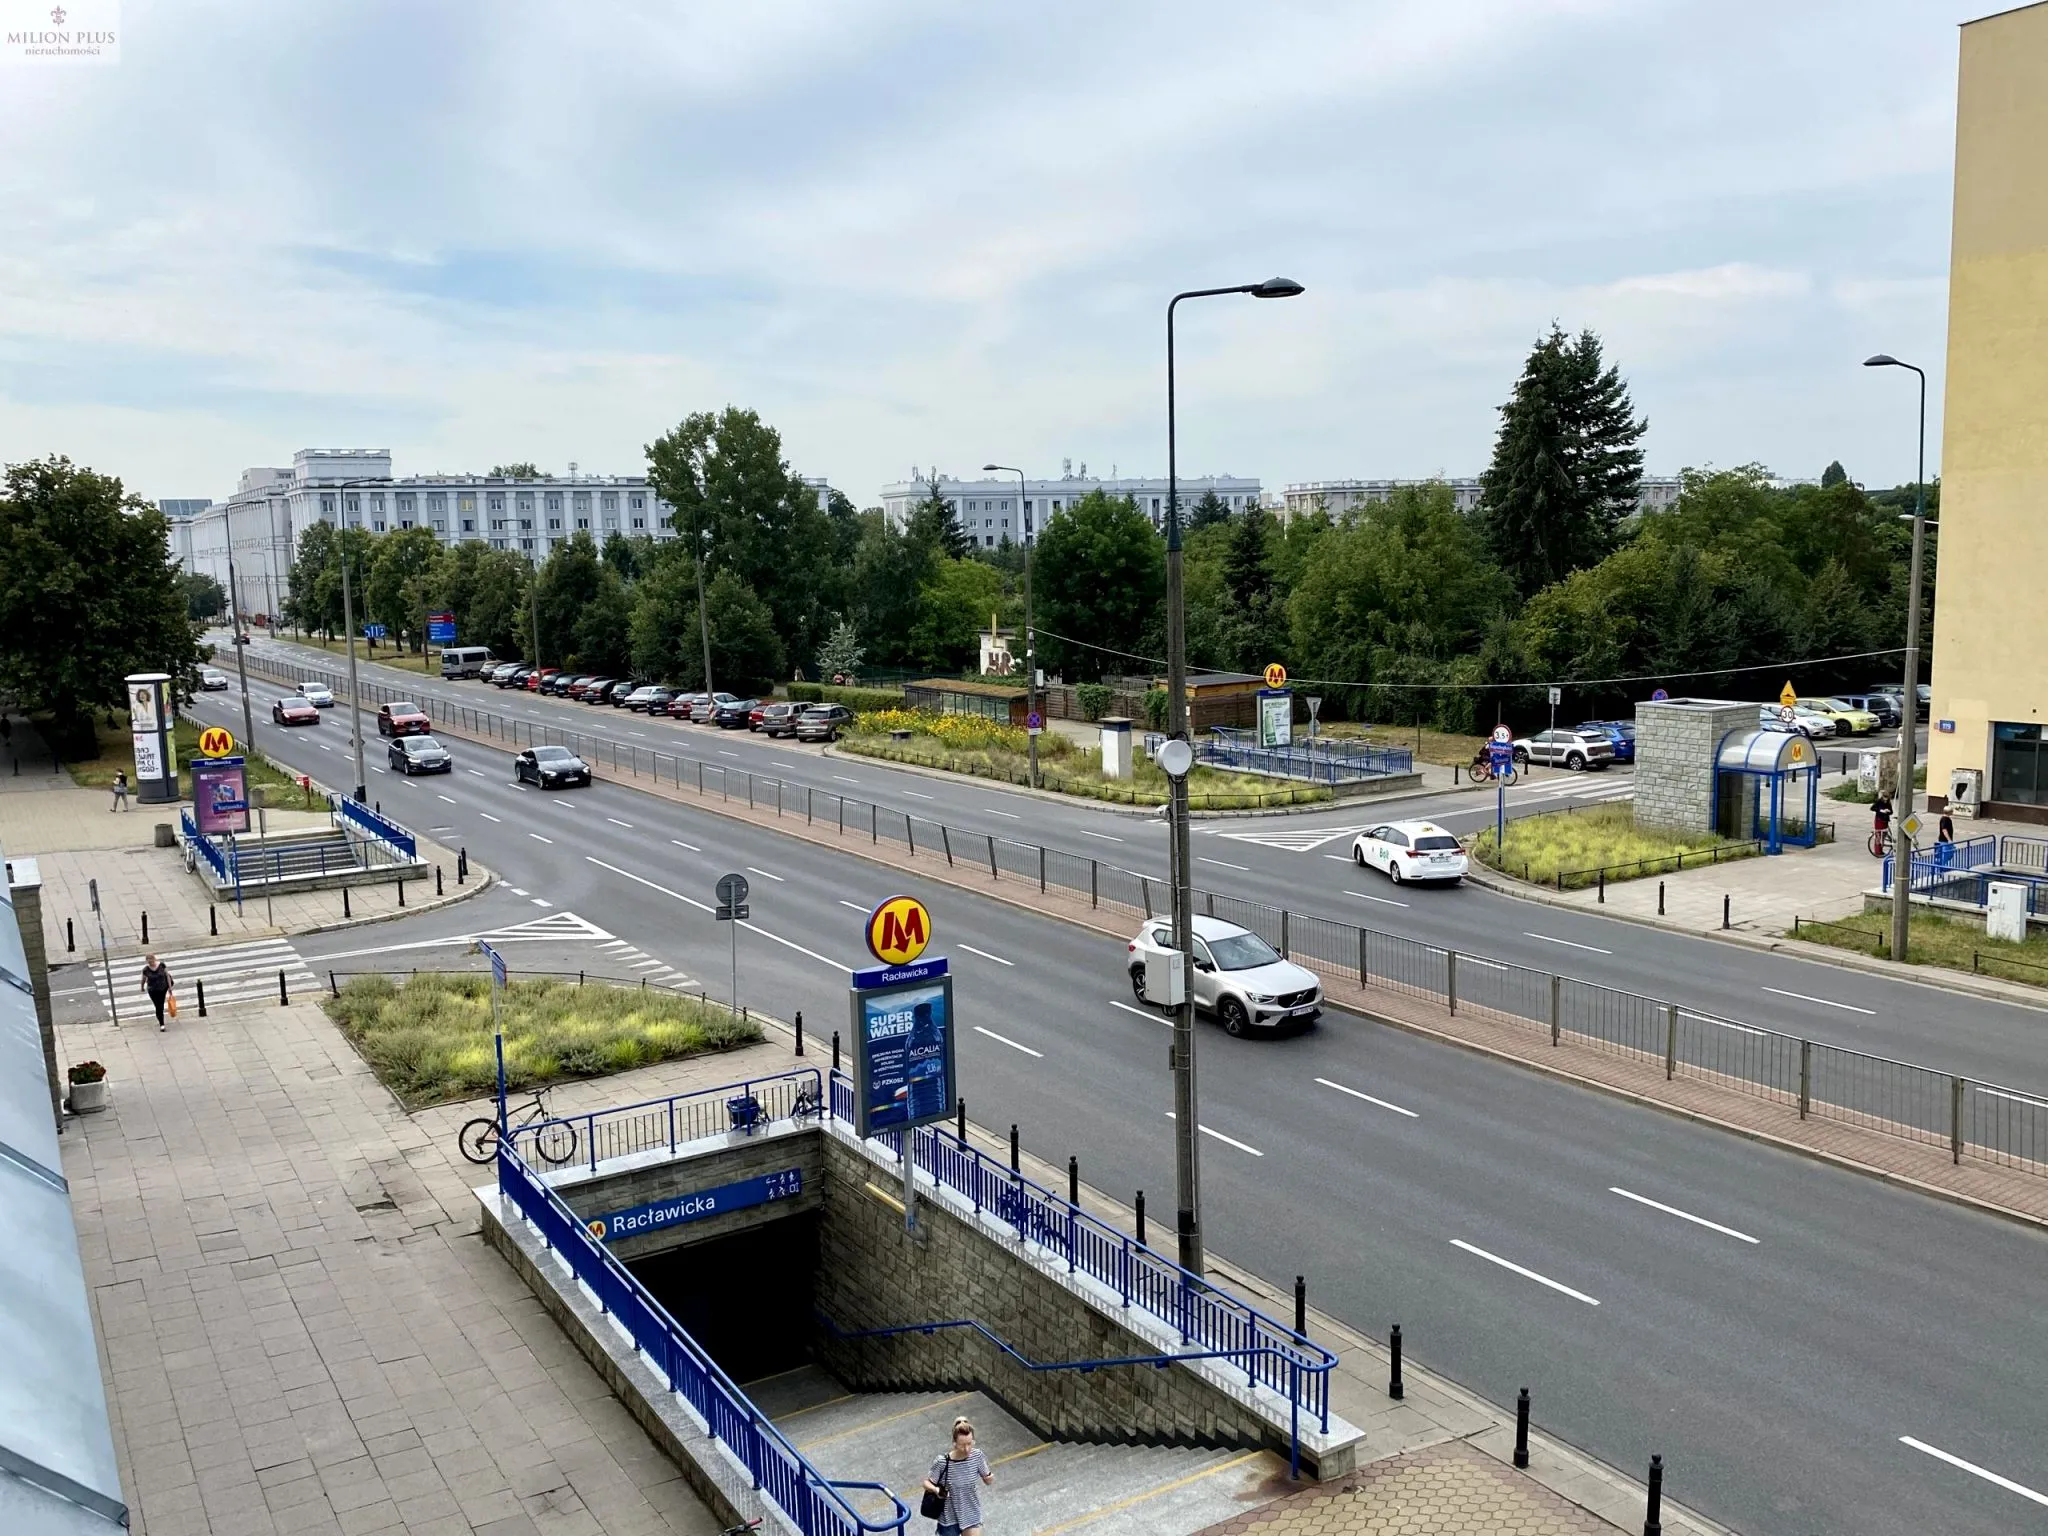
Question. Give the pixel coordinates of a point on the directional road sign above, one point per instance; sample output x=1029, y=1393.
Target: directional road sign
x=497, y=962
x=374, y=631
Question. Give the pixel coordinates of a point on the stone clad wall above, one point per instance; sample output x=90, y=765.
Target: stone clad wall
x=1676, y=740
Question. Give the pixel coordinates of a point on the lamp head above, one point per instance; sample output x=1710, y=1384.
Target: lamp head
x=1881, y=360
x=1275, y=288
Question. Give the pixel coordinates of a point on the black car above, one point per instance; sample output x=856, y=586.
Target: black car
x=420, y=754
x=595, y=691
x=559, y=683
x=733, y=714
x=823, y=722
x=550, y=767
x=514, y=677
x=625, y=690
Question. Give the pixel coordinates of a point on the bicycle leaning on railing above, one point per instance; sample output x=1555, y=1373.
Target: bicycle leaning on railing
x=554, y=1140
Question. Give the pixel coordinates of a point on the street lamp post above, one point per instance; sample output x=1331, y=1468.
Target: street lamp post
x=348, y=626
x=1030, y=638
x=1187, y=1164
x=241, y=634
x=1902, y=856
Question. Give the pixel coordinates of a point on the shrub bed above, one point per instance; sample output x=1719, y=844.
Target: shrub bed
x=1577, y=843
x=852, y=698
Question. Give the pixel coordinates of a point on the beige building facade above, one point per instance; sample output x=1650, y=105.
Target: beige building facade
x=1990, y=663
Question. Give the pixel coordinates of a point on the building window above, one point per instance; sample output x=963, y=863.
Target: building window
x=1155, y=506
x=526, y=501
x=2019, y=764
x=327, y=504
x=554, y=501
x=378, y=525
x=466, y=502
x=582, y=522
x=1055, y=506
x=639, y=503
x=352, y=503
x=497, y=543
x=554, y=525
x=437, y=501
x=495, y=501
x=468, y=525
x=639, y=522
x=526, y=526
x=376, y=501
x=525, y=543
x=608, y=500
x=991, y=543
x=583, y=502
x=666, y=522
x=405, y=501
x=405, y=522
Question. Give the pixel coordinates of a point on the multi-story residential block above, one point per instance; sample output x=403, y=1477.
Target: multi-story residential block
x=992, y=509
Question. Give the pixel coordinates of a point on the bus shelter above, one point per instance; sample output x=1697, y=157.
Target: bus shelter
x=1767, y=787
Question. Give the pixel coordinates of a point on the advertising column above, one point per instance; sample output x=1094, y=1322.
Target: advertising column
x=149, y=719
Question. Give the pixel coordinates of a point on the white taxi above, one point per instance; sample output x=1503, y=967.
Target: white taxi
x=1410, y=850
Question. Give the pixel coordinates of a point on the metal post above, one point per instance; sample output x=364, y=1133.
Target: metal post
x=799, y=1032
x=1955, y=1119
x=1556, y=1024
x=992, y=874
x=348, y=624
x=946, y=842
x=1653, y=1513
x=1073, y=1181
x=1521, y=1457
x=1013, y=1146
x=1285, y=949
x=1361, y=957
x=1094, y=883
x=345, y=912
x=200, y=986
x=145, y=929
x=1041, y=869
x=1724, y=909
x=1602, y=877
x=1805, y=1077
x=284, y=997
x=1301, y=1307
x=1140, y=1208
x=1670, y=1041
x=1396, y=1388
x=1660, y=899
x=835, y=1050
x=960, y=1120
x=1451, y=978
x=71, y=939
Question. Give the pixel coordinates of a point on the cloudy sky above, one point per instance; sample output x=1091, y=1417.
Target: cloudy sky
x=910, y=232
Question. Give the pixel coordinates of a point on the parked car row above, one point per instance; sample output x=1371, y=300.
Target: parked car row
x=728, y=711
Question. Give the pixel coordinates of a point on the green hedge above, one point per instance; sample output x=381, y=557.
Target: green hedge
x=852, y=698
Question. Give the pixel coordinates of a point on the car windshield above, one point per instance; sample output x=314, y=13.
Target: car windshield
x=1440, y=843
x=818, y=711
x=405, y=709
x=422, y=745
x=1242, y=952
x=552, y=754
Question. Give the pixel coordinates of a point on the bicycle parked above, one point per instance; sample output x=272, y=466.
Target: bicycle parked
x=554, y=1140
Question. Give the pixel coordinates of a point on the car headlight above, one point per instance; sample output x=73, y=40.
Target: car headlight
x=1261, y=997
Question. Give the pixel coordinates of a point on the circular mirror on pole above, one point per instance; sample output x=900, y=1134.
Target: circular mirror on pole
x=1176, y=757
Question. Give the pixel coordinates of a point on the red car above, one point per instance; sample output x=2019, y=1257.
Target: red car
x=538, y=676
x=293, y=710
x=402, y=720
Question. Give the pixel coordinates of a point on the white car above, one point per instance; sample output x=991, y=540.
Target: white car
x=1239, y=977
x=316, y=695
x=1410, y=850
x=212, y=679
x=1807, y=722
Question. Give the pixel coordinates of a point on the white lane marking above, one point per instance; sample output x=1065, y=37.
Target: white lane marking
x=1006, y=1040
x=1385, y=901
x=375, y=769
x=1103, y=835
x=538, y=838
x=641, y=734
x=1567, y=943
x=689, y=901
x=1223, y=864
x=791, y=944
x=1825, y=1002
x=1383, y=1104
x=783, y=762
x=449, y=798
x=542, y=901
x=1228, y=1141
x=765, y=875
x=999, y=960
x=519, y=890
x=910, y=792
x=1006, y=815
x=1526, y=1274
x=681, y=844
x=1974, y=1470
x=325, y=748
x=1341, y=858
x=1156, y=1018
x=487, y=816
x=1672, y=1210
x=723, y=753
x=618, y=823
x=853, y=904
x=560, y=801
x=476, y=772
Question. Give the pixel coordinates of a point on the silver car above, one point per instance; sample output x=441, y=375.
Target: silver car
x=1565, y=749
x=1239, y=977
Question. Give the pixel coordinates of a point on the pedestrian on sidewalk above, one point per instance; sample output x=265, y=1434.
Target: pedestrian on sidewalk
x=952, y=1478
x=120, y=790
x=156, y=981
x=1945, y=840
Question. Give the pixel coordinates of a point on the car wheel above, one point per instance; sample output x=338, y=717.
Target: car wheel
x=1235, y=1020
x=1576, y=761
x=1358, y=855
x=1138, y=986
x=1521, y=757
x=1394, y=871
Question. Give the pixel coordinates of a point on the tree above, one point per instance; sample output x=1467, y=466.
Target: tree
x=1833, y=475
x=395, y=594
x=942, y=517
x=1256, y=624
x=88, y=595
x=890, y=573
x=841, y=654
x=604, y=627
x=957, y=600
x=1565, y=467
x=1099, y=572
x=1211, y=509
x=626, y=557
x=523, y=470
x=746, y=652
x=565, y=587
x=204, y=598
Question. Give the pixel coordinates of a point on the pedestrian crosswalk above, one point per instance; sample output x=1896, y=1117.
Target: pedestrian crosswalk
x=655, y=972
x=231, y=973
x=1584, y=790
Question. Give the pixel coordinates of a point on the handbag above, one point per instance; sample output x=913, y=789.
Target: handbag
x=171, y=1004
x=933, y=1505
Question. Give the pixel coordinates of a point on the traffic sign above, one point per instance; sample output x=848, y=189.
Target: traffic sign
x=732, y=898
x=1034, y=721
x=216, y=741
x=1556, y=696
x=1788, y=695
x=1658, y=696
x=374, y=631
x=497, y=962
x=898, y=930
x=1503, y=735
x=1911, y=823
x=441, y=628
x=1276, y=675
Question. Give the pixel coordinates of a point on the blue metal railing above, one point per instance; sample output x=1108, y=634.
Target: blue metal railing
x=371, y=824
x=1931, y=864
x=1270, y=1353
x=670, y=1122
x=815, y=1504
x=194, y=838
x=2023, y=853
x=1325, y=760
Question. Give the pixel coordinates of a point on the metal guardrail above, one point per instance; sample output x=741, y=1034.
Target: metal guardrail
x=1895, y=1098
x=378, y=827
x=1578, y=879
x=2027, y=854
x=670, y=1122
x=1325, y=760
x=815, y=1504
x=195, y=839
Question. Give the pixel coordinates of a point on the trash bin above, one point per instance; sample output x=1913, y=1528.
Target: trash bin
x=166, y=835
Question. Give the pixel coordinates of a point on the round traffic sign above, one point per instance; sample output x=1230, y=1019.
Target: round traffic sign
x=216, y=741
x=1276, y=675
x=1034, y=720
x=898, y=930
x=732, y=890
x=1658, y=696
x=1503, y=735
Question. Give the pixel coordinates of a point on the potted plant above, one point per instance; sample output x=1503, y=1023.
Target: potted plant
x=88, y=1087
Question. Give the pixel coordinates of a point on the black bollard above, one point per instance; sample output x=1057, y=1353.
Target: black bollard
x=1653, y=1516
x=799, y=1031
x=201, y=987
x=1141, y=1218
x=462, y=866
x=1522, y=1428
x=1301, y=1306
x=145, y=928
x=1395, y=1387
x=345, y=912
x=960, y=1121
x=213, y=921
x=835, y=1050
x=1073, y=1181
x=1603, y=887
x=1724, y=911
x=70, y=938
x=1013, y=1146
x=401, y=891
x=437, y=880
x=1660, y=898
x=284, y=997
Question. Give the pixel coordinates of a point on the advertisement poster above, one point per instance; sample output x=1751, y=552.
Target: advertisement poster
x=142, y=709
x=903, y=1037
x=1276, y=717
x=149, y=760
x=220, y=796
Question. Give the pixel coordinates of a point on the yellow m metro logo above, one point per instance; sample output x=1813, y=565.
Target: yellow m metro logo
x=898, y=930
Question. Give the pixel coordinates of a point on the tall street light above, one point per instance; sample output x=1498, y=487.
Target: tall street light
x=227, y=520
x=1902, y=867
x=1030, y=639
x=348, y=626
x=1187, y=1166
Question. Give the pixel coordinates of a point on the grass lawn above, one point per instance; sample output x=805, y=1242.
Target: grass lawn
x=1079, y=772
x=117, y=754
x=1441, y=747
x=1540, y=846
x=1949, y=942
x=429, y=1040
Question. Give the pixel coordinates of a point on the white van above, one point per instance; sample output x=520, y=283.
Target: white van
x=465, y=661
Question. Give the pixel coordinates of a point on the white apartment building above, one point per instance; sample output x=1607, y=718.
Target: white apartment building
x=992, y=509
x=1335, y=497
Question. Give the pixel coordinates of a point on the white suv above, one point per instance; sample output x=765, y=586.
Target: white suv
x=1239, y=977
x=316, y=695
x=1410, y=850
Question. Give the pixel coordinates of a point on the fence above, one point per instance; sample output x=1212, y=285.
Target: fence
x=1323, y=761
x=2027, y=854
x=375, y=826
x=1896, y=1098
x=195, y=839
x=1663, y=863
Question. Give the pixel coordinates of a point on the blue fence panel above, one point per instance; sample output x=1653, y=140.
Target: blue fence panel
x=215, y=860
x=380, y=827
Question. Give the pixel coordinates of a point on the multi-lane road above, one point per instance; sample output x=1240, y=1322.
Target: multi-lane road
x=1811, y=1351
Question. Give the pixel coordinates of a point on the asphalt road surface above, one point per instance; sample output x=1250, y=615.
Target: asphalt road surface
x=1810, y=1350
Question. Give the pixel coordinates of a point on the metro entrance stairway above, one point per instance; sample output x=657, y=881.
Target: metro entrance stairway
x=1104, y=1490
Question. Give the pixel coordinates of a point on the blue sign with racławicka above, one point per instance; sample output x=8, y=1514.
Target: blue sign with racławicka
x=783, y=1184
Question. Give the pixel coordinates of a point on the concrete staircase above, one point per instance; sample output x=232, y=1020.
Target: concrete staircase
x=1103, y=1490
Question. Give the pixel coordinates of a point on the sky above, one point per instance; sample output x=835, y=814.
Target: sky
x=913, y=233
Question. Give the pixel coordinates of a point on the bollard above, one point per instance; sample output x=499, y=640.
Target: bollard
x=799, y=1031
x=345, y=912
x=401, y=890
x=1653, y=1515
x=1141, y=1218
x=70, y=938
x=1013, y=1146
x=437, y=880
x=1724, y=911
x=835, y=1050
x=145, y=928
x=1451, y=979
x=213, y=920
x=284, y=997
x=1522, y=1428
x=1603, y=887
x=1396, y=1389
x=1301, y=1306
x=960, y=1120
x=1073, y=1181
x=200, y=987
x=462, y=866
x=1660, y=898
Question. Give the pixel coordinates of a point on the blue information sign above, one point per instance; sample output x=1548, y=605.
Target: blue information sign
x=497, y=962
x=783, y=1184
x=897, y=975
x=903, y=1072
x=441, y=628
x=374, y=631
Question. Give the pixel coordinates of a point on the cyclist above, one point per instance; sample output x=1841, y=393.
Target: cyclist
x=1880, y=822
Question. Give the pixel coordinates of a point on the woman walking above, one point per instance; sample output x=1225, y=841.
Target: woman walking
x=156, y=981
x=957, y=1478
